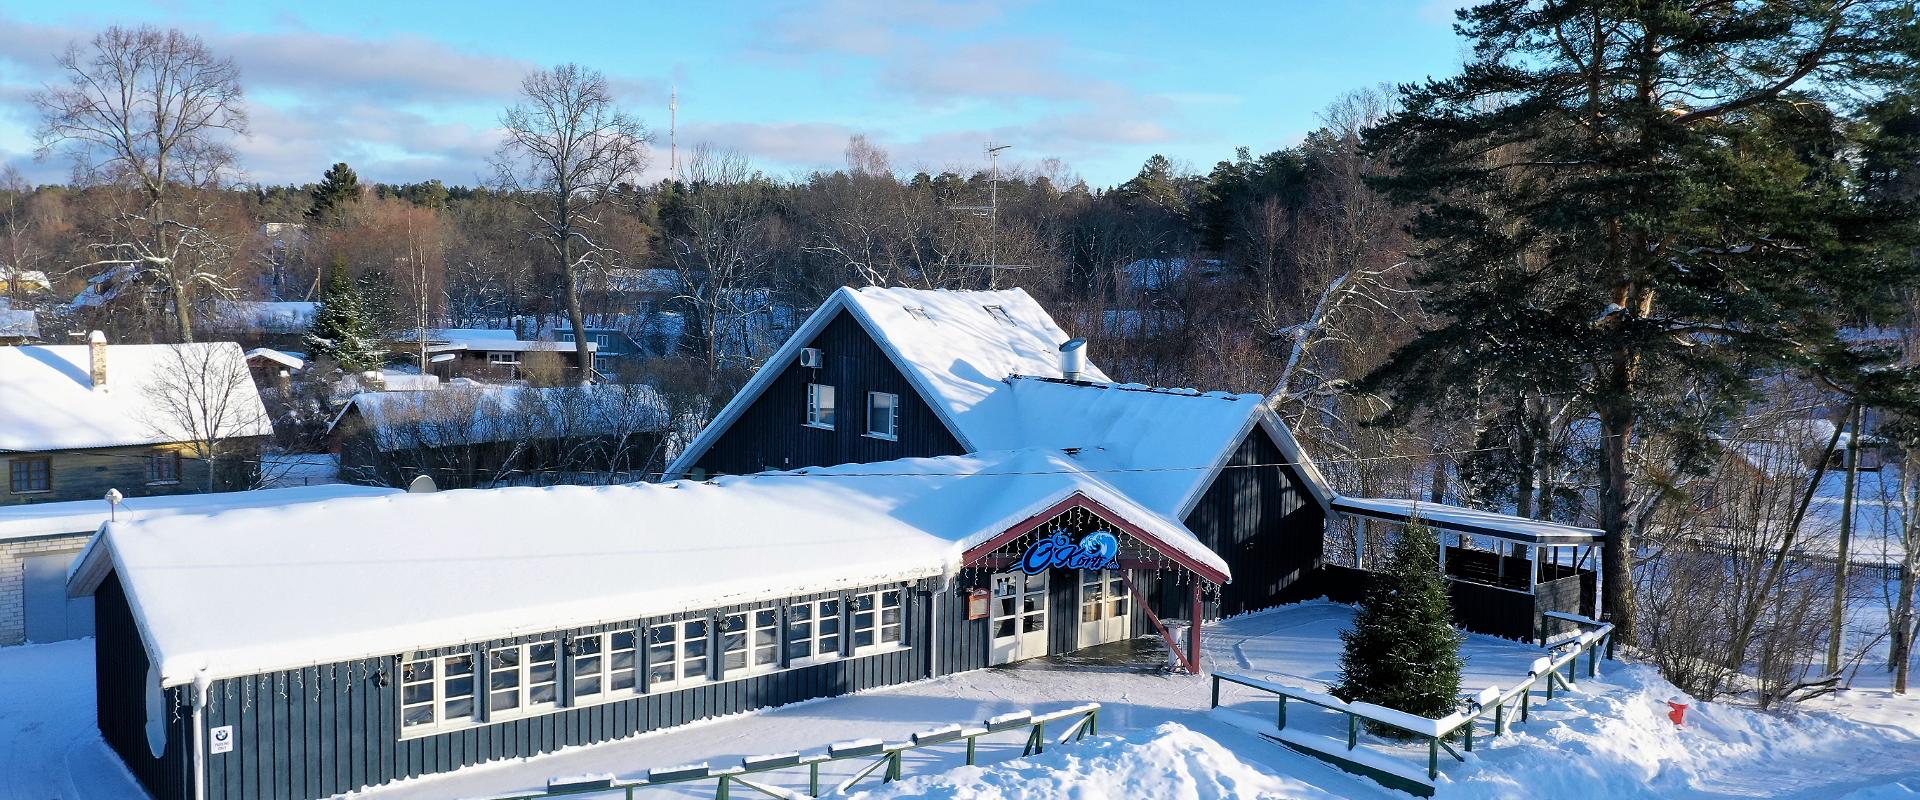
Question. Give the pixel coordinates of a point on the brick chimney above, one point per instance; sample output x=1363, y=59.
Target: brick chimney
x=97, y=356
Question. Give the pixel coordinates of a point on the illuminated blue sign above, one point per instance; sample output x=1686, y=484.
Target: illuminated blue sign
x=1097, y=550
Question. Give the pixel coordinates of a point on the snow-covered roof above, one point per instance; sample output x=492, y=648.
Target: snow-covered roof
x=278, y=316
x=989, y=365
x=1469, y=520
x=84, y=516
x=47, y=399
x=472, y=334
x=288, y=360
x=486, y=345
x=1161, y=446
x=473, y=413
x=403, y=572
x=19, y=323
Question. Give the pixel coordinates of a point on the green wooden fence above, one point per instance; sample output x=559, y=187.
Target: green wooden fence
x=755, y=775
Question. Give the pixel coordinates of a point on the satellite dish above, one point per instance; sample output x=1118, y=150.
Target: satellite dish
x=422, y=484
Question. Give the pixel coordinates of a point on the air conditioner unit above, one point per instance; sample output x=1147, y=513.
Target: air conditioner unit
x=811, y=357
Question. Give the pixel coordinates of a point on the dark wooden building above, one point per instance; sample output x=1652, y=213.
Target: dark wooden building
x=879, y=374
x=701, y=599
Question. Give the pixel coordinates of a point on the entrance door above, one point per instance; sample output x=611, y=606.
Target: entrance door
x=1019, y=619
x=51, y=615
x=1105, y=607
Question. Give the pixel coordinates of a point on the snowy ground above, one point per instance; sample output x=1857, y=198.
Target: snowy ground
x=1609, y=739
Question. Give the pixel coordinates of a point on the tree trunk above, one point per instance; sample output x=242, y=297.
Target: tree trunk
x=1617, y=422
x=1837, y=620
x=582, y=359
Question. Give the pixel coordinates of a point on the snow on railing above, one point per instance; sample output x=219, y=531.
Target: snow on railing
x=1084, y=720
x=1545, y=671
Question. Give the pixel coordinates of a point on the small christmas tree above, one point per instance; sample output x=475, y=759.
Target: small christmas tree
x=1402, y=651
x=342, y=330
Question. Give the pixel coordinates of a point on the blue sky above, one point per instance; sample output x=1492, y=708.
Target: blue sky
x=411, y=90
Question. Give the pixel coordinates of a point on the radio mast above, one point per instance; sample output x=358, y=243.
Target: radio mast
x=673, y=134
x=992, y=212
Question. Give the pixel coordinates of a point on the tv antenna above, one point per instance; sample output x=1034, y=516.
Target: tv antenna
x=992, y=212
x=673, y=133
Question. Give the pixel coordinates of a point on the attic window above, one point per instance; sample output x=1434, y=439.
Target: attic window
x=1000, y=314
x=918, y=313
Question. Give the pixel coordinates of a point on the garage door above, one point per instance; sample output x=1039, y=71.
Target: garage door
x=51, y=616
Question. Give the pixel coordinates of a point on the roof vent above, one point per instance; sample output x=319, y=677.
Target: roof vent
x=1073, y=359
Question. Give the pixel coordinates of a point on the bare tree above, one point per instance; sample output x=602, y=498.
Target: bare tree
x=720, y=237
x=149, y=111
x=203, y=396
x=567, y=148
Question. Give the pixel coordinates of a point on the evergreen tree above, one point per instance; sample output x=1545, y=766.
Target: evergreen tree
x=342, y=329
x=1621, y=198
x=337, y=190
x=1402, y=651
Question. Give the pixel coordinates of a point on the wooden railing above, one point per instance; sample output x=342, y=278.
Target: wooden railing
x=755, y=773
x=1562, y=654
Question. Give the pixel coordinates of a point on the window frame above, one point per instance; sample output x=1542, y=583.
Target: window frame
x=752, y=645
x=815, y=392
x=892, y=433
x=19, y=465
x=877, y=625
x=439, y=698
x=523, y=688
x=606, y=652
x=814, y=637
x=680, y=657
x=167, y=476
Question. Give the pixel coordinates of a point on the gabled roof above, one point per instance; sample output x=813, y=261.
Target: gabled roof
x=462, y=567
x=993, y=376
x=476, y=413
x=47, y=399
x=287, y=360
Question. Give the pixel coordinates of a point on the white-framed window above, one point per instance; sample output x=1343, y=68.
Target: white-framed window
x=436, y=692
x=749, y=642
x=604, y=664
x=883, y=415
x=877, y=620
x=820, y=405
x=508, y=363
x=813, y=632
x=676, y=655
x=523, y=679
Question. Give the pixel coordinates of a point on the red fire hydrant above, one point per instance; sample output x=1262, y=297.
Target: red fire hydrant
x=1677, y=711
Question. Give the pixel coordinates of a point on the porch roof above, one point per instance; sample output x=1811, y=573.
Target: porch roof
x=1469, y=520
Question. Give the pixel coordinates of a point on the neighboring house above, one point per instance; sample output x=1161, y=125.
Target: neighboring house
x=489, y=435
x=609, y=344
x=38, y=544
x=271, y=367
x=17, y=325
x=78, y=420
x=258, y=323
x=23, y=281
x=496, y=355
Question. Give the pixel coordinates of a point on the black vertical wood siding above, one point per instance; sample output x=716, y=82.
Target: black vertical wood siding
x=320, y=731
x=772, y=432
x=120, y=694
x=1266, y=526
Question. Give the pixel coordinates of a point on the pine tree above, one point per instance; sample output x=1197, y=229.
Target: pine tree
x=337, y=190
x=1402, y=651
x=342, y=329
x=1628, y=200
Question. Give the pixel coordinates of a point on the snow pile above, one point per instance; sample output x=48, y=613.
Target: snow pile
x=1620, y=744
x=1169, y=761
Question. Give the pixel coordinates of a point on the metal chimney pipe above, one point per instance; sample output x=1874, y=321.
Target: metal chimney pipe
x=1073, y=359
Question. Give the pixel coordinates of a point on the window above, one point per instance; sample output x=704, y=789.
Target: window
x=507, y=363
x=876, y=620
x=1000, y=315
x=918, y=313
x=749, y=642
x=163, y=466
x=883, y=415
x=436, y=691
x=523, y=678
x=31, y=475
x=604, y=663
x=820, y=405
x=676, y=654
x=813, y=632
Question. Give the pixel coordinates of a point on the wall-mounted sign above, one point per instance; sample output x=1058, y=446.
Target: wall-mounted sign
x=1096, y=550
x=977, y=604
x=221, y=740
